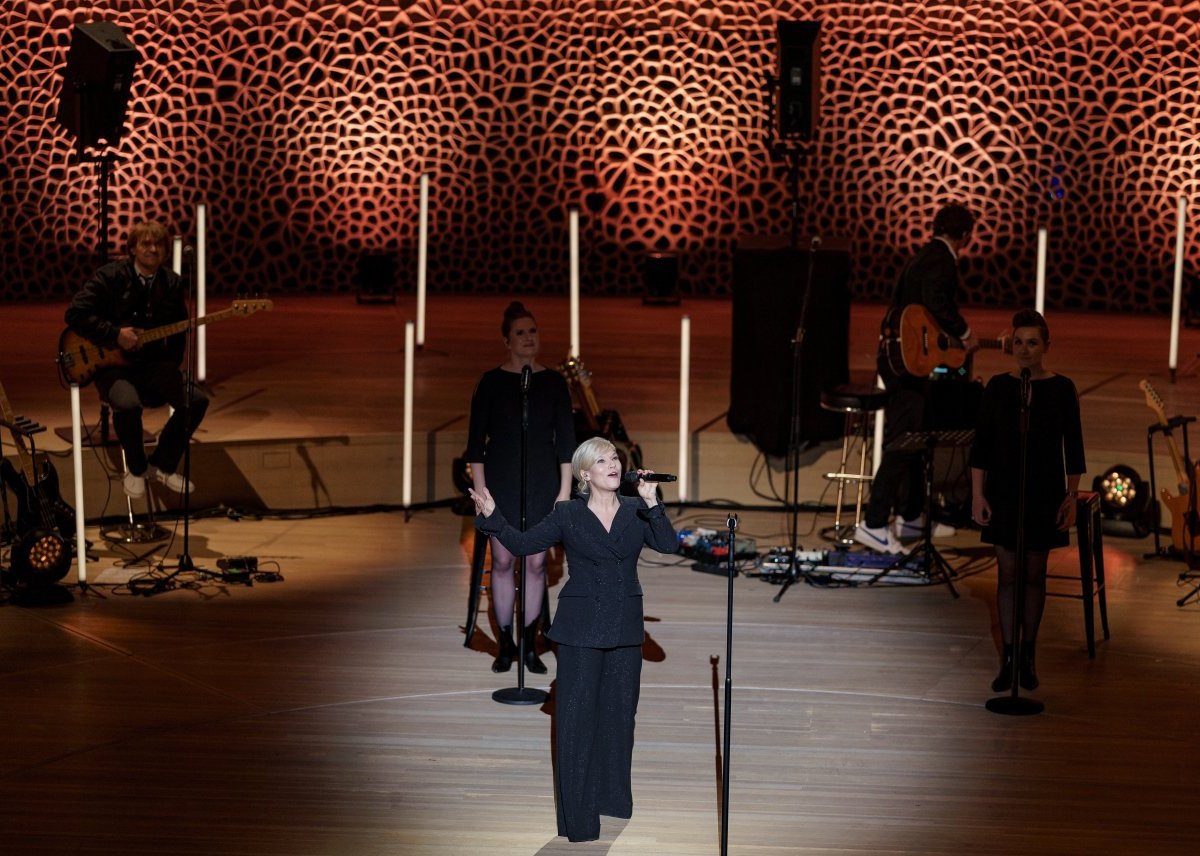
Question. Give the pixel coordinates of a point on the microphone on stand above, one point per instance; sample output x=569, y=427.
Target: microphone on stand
x=527, y=376
x=1025, y=389
x=632, y=477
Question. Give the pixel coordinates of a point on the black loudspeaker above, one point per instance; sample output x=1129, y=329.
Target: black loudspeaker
x=660, y=277
x=96, y=83
x=799, y=109
x=768, y=294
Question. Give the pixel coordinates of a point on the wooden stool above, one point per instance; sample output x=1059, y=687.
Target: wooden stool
x=859, y=404
x=1091, y=566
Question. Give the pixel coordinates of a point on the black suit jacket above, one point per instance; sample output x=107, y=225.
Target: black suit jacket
x=931, y=279
x=600, y=605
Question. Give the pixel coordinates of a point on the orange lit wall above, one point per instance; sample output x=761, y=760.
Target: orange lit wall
x=305, y=127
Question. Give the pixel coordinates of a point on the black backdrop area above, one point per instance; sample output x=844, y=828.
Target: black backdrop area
x=769, y=282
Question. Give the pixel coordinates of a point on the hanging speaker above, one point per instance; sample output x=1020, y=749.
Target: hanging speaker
x=96, y=83
x=799, y=108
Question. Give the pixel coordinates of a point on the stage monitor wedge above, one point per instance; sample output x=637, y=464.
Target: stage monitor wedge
x=798, y=112
x=96, y=83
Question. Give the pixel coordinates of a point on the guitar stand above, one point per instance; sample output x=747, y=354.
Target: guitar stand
x=933, y=564
x=1189, y=523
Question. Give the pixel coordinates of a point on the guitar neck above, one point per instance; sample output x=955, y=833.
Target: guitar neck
x=991, y=343
x=22, y=453
x=166, y=330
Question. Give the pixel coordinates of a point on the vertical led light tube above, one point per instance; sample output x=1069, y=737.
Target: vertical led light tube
x=685, y=371
x=201, y=288
x=409, y=353
x=1177, y=296
x=422, y=257
x=77, y=461
x=1040, y=299
x=573, y=220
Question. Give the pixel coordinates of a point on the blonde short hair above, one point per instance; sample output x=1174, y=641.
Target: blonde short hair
x=585, y=458
x=151, y=229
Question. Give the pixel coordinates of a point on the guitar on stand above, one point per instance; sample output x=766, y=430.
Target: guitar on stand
x=41, y=547
x=591, y=421
x=79, y=358
x=1185, y=530
x=915, y=344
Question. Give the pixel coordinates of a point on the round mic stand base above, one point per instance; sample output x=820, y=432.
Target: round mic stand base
x=1013, y=705
x=520, y=695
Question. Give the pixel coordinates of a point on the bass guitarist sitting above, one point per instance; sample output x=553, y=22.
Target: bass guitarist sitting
x=119, y=301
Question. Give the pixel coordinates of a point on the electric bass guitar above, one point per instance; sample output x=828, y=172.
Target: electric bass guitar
x=79, y=358
x=41, y=552
x=915, y=344
x=1184, y=529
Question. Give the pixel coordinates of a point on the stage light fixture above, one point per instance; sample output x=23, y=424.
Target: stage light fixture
x=1124, y=499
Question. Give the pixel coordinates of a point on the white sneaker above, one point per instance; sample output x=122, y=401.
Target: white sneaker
x=135, y=486
x=908, y=529
x=880, y=540
x=172, y=481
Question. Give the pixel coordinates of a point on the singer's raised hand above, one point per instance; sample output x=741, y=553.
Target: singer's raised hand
x=484, y=504
x=647, y=490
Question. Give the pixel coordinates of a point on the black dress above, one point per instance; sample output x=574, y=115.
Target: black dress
x=1055, y=448
x=494, y=439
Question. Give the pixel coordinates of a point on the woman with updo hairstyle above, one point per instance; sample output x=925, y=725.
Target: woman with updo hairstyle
x=1054, y=463
x=494, y=452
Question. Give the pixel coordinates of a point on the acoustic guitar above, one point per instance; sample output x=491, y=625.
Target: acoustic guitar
x=41, y=553
x=1183, y=512
x=79, y=358
x=915, y=344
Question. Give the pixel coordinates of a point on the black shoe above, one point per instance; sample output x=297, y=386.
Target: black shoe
x=508, y=650
x=1003, y=682
x=532, y=662
x=1028, y=678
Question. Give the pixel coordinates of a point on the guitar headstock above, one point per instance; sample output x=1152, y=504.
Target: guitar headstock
x=1154, y=401
x=249, y=307
x=572, y=369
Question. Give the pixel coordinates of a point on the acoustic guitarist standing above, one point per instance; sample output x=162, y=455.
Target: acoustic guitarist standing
x=930, y=279
x=113, y=307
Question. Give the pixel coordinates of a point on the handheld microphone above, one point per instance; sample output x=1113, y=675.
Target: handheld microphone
x=526, y=377
x=632, y=477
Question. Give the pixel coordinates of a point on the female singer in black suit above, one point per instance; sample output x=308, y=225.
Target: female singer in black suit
x=494, y=450
x=598, y=628
x=1054, y=463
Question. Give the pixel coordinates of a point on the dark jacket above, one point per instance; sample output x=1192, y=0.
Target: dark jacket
x=114, y=297
x=600, y=605
x=931, y=279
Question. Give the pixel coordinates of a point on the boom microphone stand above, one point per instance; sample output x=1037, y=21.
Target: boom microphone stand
x=1012, y=704
x=521, y=694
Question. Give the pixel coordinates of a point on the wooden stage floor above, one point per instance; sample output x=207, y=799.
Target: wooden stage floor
x=337, y=712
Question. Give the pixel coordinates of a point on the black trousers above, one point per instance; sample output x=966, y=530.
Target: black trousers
x=905, y=411
x=128, y=389
x=595, y=702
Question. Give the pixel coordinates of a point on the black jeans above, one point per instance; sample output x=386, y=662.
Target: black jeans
x=128, y=389
x=905, y=411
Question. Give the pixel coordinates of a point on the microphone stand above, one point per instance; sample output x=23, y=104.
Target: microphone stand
x=521, y=694
x=184, y=563
x=1013, y=704
x=731, y=522
x=792, y=485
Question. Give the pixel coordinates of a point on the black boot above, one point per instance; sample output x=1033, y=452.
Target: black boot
x=1003, y=682
x=532, y=662
x=1028, y=677
x=508, y=650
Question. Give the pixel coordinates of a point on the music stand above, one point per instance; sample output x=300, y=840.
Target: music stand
x=925, y=442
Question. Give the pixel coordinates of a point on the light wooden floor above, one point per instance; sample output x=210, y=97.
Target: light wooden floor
x=337, y=712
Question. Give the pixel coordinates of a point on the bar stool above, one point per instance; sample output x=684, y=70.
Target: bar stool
x=1091, y=566
x=859, y=404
